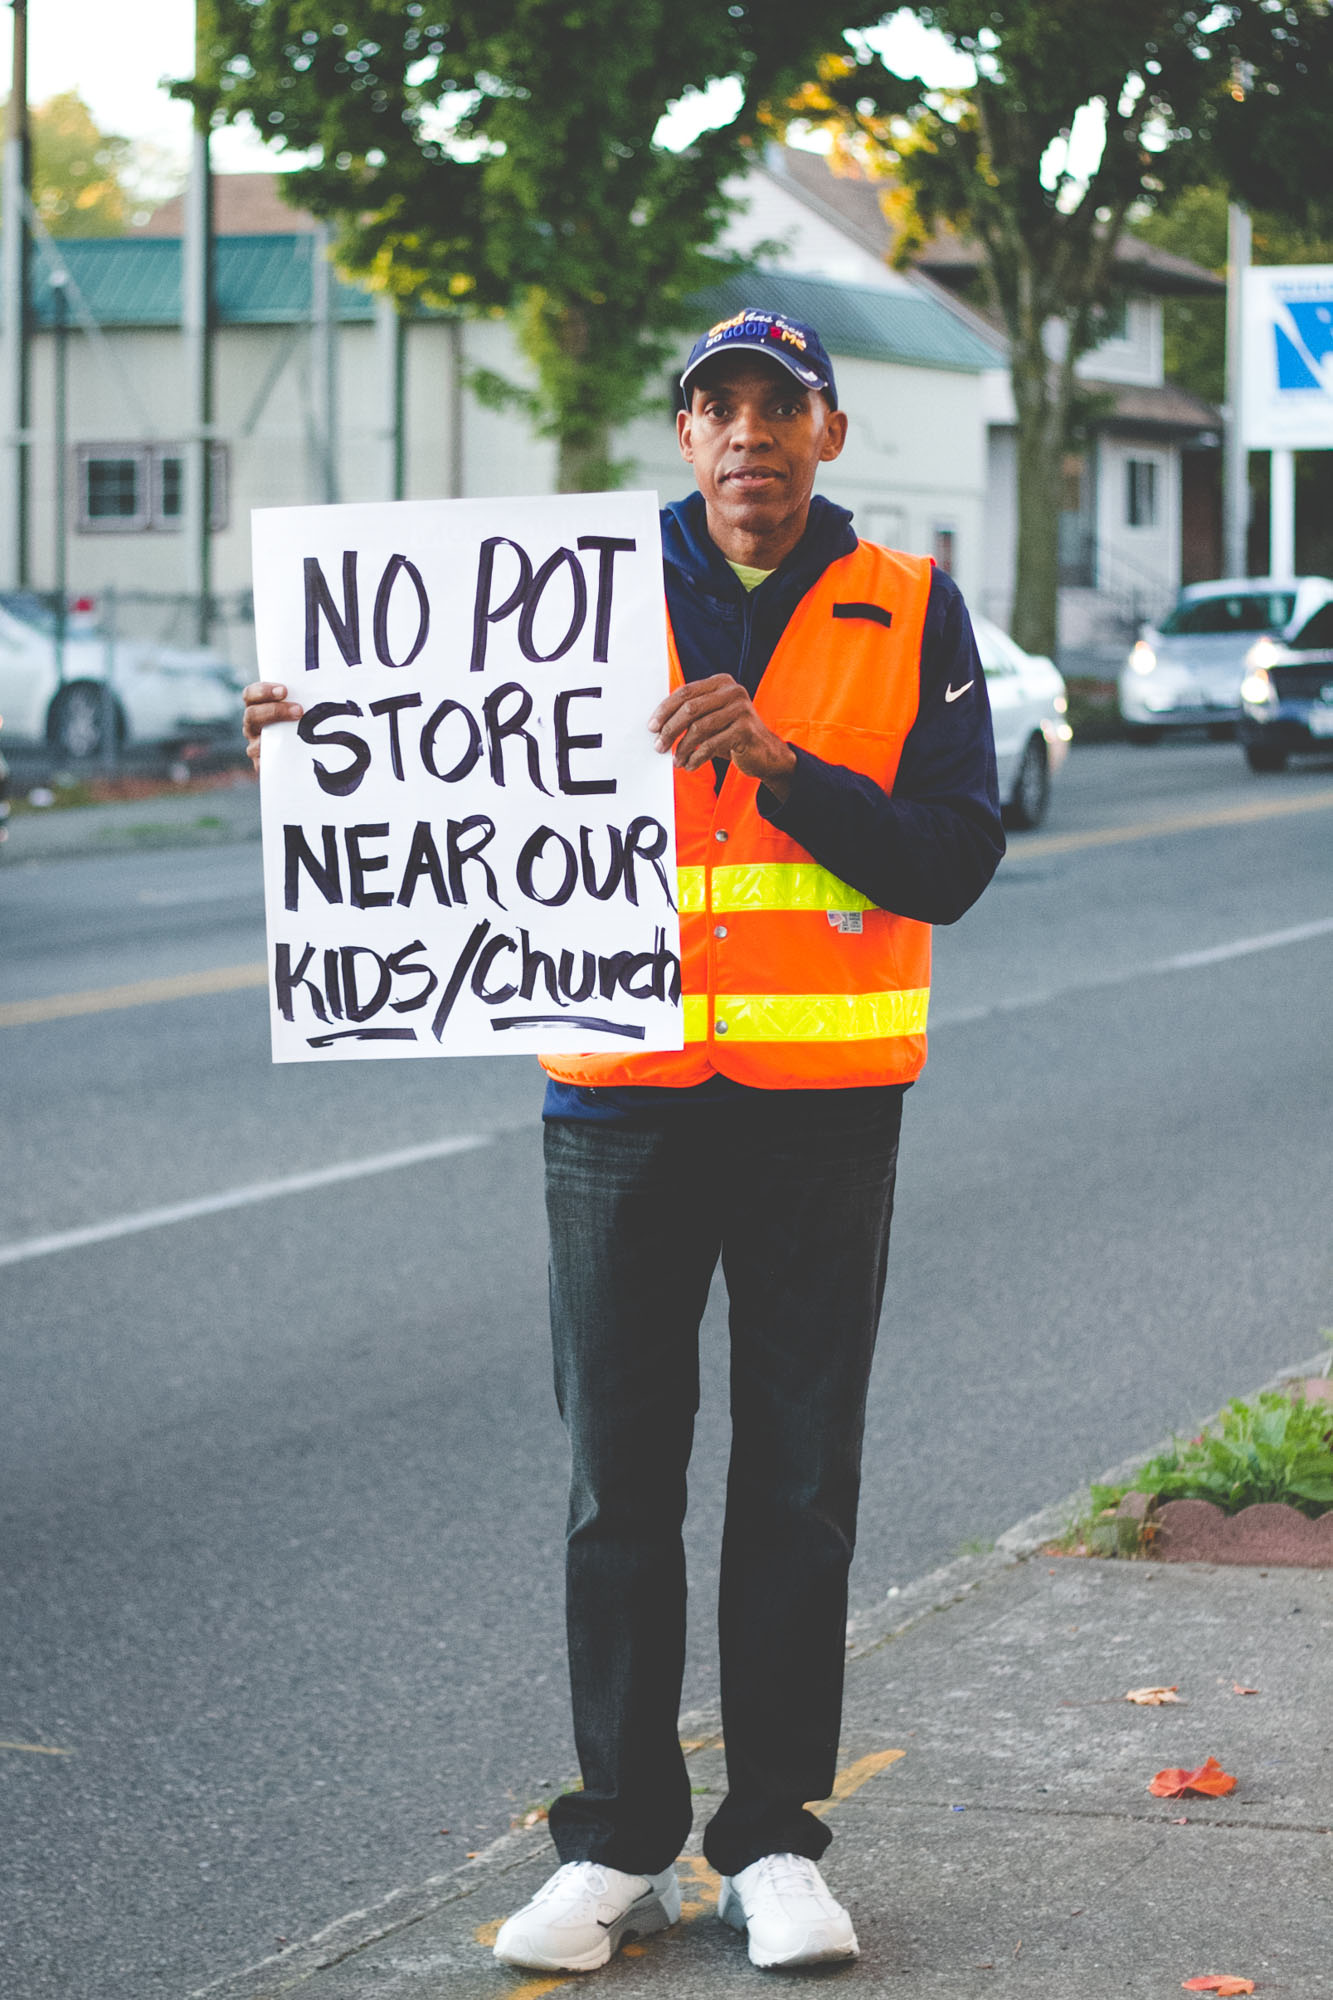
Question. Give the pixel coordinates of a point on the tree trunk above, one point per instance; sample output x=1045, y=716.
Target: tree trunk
x=1042, y=406
x=585, y=462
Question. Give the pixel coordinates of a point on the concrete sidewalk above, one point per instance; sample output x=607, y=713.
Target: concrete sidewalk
x=192, y=817
x=994, y=1829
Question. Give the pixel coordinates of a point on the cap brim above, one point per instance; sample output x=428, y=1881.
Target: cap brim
x=809, y=378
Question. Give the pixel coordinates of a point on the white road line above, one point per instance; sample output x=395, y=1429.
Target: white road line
x=241, y=1197
x=1241, y=947
x=1185, y=961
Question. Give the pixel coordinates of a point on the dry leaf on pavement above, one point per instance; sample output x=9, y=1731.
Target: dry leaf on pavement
x=1210, y=1779
x=1217, y=1982
x=1152, y=1697
x=1236, y=1688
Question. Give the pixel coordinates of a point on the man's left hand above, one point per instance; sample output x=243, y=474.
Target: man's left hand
x=715, y=718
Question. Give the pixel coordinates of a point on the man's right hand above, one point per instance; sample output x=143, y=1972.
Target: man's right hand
x=265, y=702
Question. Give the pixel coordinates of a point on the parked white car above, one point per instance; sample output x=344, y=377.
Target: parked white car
x=1029, y=707
x=154, y=694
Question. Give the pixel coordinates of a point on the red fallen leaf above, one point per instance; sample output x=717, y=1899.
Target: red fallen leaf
x=1236, y=1688
x=1209, y=1779
x=1217, y=1982
x=1153, y=1697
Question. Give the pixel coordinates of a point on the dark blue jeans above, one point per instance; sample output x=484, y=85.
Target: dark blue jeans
x=796, y=1199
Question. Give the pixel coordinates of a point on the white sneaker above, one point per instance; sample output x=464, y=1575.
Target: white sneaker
x=783, y=1901
x=584, y=1913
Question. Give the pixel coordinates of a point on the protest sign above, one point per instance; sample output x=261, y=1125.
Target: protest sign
x=469, y=845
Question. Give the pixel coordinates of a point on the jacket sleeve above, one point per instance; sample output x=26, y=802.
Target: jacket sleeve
x=928, y=848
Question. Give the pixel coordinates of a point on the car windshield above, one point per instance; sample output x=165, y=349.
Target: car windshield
x=1237, y=611
x=30, y=608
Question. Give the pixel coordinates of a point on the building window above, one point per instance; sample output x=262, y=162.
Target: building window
x=130, y=488
x=1141, y=493
x=1115, y=323
x=943, y=549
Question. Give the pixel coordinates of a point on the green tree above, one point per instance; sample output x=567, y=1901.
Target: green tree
x=77, y=171
x=501, y=155
x=1185, y=93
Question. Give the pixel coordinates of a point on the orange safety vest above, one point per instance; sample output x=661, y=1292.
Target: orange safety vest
x=790, y=978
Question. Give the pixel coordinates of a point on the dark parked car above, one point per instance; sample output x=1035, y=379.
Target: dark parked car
x=1287, y=693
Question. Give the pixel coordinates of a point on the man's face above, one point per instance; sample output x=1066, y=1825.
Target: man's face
x=756, y=438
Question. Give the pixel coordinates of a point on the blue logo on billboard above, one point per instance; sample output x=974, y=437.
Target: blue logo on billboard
x=1305, y=349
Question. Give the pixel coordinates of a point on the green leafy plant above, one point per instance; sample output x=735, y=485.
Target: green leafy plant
x=1268, y=1449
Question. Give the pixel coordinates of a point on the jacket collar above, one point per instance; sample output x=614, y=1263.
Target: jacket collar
x=690, y=551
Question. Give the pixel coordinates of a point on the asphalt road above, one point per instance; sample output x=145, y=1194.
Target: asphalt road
x=280, y=1484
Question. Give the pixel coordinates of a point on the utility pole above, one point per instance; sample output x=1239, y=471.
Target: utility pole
x=1235, y=467
x=197, y=332
x=324, y=361
x=390, y=332
x=15, y=257
x=60, y=304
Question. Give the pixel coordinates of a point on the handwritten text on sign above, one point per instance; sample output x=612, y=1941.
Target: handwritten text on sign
x=468, y=838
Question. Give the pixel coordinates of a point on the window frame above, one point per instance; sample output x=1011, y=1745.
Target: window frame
x=150, y=515
x=1147, y=470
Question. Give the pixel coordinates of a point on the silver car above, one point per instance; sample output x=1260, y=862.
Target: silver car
x=1185, y=672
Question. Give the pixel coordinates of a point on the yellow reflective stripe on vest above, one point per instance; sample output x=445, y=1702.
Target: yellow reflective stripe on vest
x=768, y=885
x=809, y=1017
x=695, y=1008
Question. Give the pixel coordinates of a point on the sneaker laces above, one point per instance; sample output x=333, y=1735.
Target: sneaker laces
x=789, y=1874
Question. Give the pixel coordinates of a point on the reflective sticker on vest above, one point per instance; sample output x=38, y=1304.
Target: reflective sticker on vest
x=846, y=921
x=812, y=1017
x=768, y=885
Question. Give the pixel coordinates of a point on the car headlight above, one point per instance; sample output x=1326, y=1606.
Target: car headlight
x=1061, y=704
x=1257, y=690
x=1142, y=659
x=1263, y=653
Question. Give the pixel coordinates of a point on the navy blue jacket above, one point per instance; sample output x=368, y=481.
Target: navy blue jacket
x=926, y=849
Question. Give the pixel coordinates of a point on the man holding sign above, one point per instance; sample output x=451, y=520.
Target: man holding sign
x=835, y=795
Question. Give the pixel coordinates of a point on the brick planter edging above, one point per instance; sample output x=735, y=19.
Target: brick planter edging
x=1269, y=1533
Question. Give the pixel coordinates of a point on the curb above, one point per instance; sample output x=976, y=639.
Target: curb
x=942, y=1587
x=283, y=1972
x=220, y=818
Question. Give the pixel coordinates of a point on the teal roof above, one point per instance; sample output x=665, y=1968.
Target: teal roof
x=136, y=281
x=859, y=321
x=266, y=281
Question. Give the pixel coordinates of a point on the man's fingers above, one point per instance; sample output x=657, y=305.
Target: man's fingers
x=684, y=703
x=704, y=705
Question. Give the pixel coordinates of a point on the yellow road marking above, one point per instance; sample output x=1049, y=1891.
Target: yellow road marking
x=857, y=1774
x=37, y=1749
x=141, y=993
x=699, y=1883
x=1153, y=829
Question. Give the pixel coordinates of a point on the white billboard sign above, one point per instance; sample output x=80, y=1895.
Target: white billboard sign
x=469, y=843
x=1286, y=401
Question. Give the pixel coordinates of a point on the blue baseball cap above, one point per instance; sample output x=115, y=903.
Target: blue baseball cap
x=753, y=331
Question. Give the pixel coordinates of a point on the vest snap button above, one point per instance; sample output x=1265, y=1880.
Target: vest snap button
x=719, y=930
x=721, y=833
x=719, y=1027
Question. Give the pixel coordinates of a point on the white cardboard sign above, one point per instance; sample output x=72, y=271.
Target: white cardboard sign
x=469, y=843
